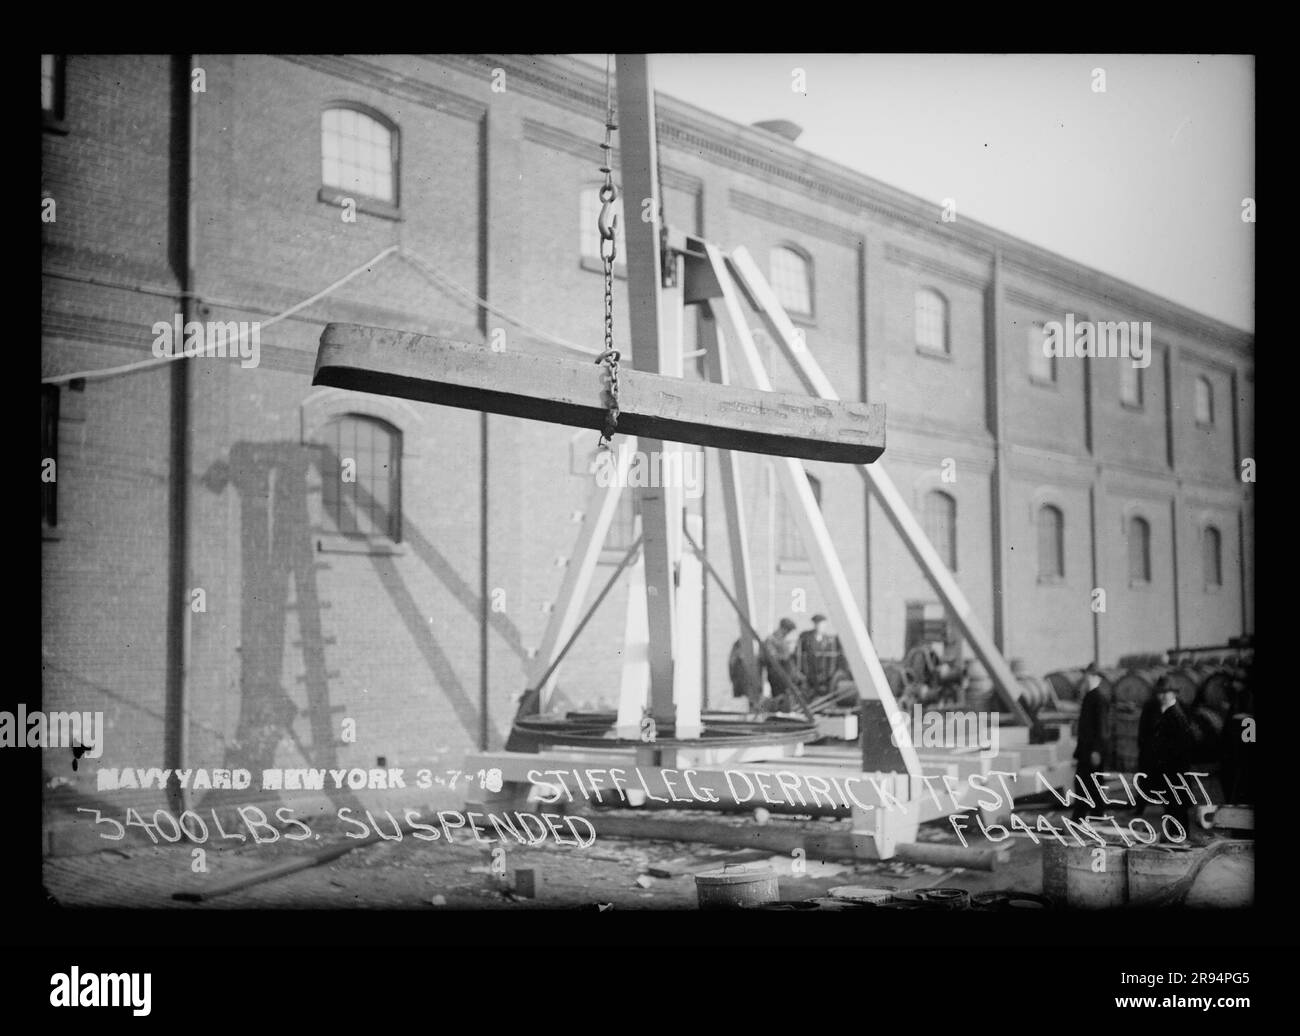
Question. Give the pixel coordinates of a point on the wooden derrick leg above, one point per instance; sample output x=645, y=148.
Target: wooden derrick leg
x=634, y=688
x=597, y=517
x=883, y=489
x=714, y=345
x=688, y=674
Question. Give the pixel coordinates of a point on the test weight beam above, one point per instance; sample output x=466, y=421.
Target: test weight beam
x=563, y=391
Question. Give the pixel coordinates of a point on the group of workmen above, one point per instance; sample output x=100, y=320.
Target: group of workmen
x=800, y=668
x=1167, y=742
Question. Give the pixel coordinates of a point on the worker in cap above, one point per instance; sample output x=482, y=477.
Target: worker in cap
x=783, y=676
x=820, y=658
x=1094, y=747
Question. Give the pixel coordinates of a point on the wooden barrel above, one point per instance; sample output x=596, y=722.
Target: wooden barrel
x=1187, y=682
x=1033, y=693
x=1132, y=692
x=1054, y=871
x=1152, y=869
x=1101, y=889
x=1207, y=725
x=1110, y=677
x=1067, y=683
x=1216, y=691
x=1226, y=883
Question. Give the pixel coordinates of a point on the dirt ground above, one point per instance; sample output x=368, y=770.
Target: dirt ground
x=413, y=874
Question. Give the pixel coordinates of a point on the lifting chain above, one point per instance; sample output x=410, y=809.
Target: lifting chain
x=607, y=224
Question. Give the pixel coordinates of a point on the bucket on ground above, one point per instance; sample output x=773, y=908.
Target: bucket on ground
x=1152, y=869
x=1096, y=877
x=736, y=885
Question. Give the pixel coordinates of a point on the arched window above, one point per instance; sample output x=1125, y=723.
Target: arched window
x=1139, y=550
x=1212, y=556
x=930, y=321
x=1042, y=367
x=790, y=272
x=1051, y=542
x=1204, y=401
x=790, y=545
x=941, y=525
x=589, y=229
x=361, y=485
x=359, y=153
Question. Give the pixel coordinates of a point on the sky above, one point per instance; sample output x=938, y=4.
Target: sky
x=1144, y=180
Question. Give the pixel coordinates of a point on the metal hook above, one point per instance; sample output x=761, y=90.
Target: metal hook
x=608, y=226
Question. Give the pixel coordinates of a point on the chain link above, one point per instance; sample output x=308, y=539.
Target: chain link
x=607, y=224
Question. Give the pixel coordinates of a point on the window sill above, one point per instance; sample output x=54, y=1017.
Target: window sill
x=1205, y=426
x=596, y=266
x=50, y=123
x=50, y=533
x=790, y=565
x=934, y=354
x=1213, y=588
x=1051, y=580
x=370, y=206
x=1139, y=584
x=335, y=543
x=1136, y=407
x=1045, y=383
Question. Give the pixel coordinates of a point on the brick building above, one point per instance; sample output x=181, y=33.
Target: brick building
x=409, y=601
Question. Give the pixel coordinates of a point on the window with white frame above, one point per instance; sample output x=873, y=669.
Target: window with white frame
x=1130, y=384
x=1042, y=366
x=940, y=521
x=1204, y=400
x=1051, y=542
x=790, y=544
x=360, y=467
x=1139, y=550
x=790, y=272
x=1212, y=557
x=359, y=153
x=930, y=321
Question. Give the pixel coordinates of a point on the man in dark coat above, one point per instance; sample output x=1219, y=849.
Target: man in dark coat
x=1093, y=748
x=1172, y=742
x=1237, y=747
x=820, y=658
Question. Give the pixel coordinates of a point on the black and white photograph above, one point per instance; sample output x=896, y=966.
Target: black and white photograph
x=782, y=491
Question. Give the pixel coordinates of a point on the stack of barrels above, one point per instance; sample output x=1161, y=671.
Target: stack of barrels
x=1204, y=687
